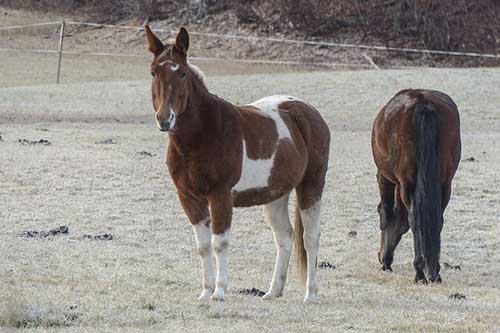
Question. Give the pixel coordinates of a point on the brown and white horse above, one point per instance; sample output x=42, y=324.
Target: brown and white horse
x=221, y=155
x=416, y=147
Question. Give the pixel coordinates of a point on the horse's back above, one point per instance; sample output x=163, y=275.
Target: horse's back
x=393, y=134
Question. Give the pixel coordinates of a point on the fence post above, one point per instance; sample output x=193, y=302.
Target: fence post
x=61, y=39
x=370, y=60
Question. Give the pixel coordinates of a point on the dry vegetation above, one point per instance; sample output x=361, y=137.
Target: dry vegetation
x=148, y=276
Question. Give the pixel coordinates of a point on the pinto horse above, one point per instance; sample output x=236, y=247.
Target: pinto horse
x=222, y=156
x=416, y=147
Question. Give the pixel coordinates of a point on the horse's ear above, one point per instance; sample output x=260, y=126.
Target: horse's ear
x=182, y=41
x=154, y=44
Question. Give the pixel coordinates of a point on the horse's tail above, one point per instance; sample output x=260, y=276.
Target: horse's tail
x=427, y=200
x=299, y=248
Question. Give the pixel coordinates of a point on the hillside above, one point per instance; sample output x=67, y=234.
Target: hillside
x=448, y=25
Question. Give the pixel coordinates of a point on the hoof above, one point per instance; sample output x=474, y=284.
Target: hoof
x=420, y=278
x=218, y=295
x=436, y=279
x=308, y=299
x=311, y=295
x=386, y=268
x=272, y=295
x=205, y=295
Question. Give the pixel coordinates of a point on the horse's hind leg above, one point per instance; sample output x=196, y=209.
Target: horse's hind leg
x=433, y=268
x=408, y=195
x=393, y=220
x=309, y=200
x=276, y=214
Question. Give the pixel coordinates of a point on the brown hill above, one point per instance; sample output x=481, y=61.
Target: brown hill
x=472, y=26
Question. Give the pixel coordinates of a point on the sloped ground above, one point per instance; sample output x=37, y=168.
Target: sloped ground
x=368, y=23
x=148, y=276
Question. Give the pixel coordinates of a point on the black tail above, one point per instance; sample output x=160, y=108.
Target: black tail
x=428, y=191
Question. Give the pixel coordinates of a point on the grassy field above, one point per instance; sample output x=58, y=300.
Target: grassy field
x=148, y=276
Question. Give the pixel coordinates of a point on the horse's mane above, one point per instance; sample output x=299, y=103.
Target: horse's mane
x=198, y=74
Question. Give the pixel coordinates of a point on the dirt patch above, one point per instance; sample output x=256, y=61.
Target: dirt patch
x=252, y=292
x=41, y=142
x=62, y=230
x=457, y=296
x=145, y=153
x=99, y=237
x=449, y=266
x=326, y=265
x=106, y=142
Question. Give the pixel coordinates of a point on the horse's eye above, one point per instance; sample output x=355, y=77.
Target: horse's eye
x=153, y=74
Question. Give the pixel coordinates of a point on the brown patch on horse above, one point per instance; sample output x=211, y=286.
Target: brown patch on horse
x=312, y=130
x=259, y=132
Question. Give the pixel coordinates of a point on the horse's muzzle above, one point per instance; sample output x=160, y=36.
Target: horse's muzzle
x=165, y=125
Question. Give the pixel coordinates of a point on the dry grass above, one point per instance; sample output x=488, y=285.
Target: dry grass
x=148, y=276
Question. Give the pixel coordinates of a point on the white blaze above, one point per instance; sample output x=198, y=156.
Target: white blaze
x=172, y=118
x=256, y=173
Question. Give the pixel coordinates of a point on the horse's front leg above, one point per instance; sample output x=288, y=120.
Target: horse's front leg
x=221, y=209
x=197, y=211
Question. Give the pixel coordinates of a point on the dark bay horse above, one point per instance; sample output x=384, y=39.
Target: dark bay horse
x=222, y=156
x=416, y=146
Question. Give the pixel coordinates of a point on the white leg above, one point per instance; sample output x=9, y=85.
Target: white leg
x=220, y=243
x=310, y=221
x=276, y=214
x=203, y=244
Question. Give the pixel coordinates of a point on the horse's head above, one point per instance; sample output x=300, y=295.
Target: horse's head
x=170, y=70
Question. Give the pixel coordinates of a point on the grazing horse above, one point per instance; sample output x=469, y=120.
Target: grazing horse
x=222, y=156
x=416, y=147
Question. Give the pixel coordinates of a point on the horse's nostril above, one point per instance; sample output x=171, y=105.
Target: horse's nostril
x=164, y=125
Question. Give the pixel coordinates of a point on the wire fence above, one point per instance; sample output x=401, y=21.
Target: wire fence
x=369, y=62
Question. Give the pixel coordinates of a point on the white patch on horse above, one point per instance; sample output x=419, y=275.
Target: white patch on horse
x=256, y=173
x=396, y=103
x=173, y=67
x=276, y=214
x=203, y=236
x=220, y=244
x=310, y=222
x=172, y=118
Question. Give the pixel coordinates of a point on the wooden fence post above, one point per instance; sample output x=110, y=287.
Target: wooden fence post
x=61, y=39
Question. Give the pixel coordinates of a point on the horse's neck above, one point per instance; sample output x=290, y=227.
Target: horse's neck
x=200, y=122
